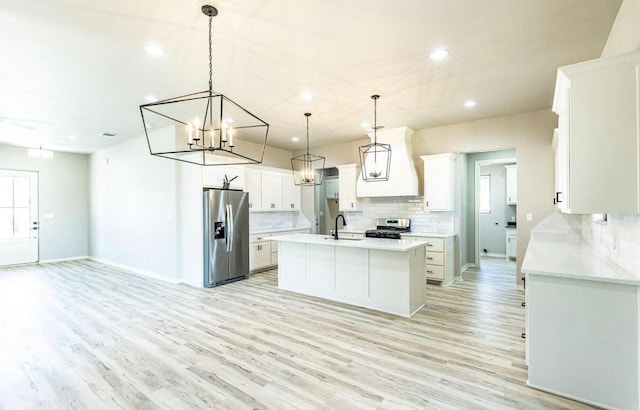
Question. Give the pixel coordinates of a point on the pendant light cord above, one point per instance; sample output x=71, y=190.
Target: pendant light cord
x=375, y=120
x=308, y=135
x=210, y=58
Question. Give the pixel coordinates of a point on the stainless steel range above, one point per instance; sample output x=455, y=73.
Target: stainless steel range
x=389, y=228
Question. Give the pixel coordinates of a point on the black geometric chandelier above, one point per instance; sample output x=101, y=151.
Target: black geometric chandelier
x=204, y=128
x=307, y=168
x=375, y=158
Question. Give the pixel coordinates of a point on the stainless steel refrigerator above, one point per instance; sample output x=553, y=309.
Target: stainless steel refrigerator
x=226, y=236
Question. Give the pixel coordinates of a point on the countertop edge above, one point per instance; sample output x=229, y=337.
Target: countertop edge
x=393, y=245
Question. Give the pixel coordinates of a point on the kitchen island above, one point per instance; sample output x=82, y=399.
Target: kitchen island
x=381, y=274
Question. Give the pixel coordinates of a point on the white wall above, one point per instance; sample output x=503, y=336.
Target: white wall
x=63, y=191
x=134, y=209
x=625, y=34
x=146, y=211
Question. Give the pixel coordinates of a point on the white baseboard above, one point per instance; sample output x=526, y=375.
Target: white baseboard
x=136, y=270
x=494, y=255
x=74, y=258
x=467, y=266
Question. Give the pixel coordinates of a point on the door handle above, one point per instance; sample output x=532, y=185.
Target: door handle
x=230, y=227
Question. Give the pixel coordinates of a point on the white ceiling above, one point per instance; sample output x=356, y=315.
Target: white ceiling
x=78, y=67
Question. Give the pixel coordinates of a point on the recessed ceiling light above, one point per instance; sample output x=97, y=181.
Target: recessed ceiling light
x=365, y=125
x=72, y=137
x=306, y=95
x=154, y=49
x=470, y=103
x=151, y=98
x=439, y=54
x=295, y=139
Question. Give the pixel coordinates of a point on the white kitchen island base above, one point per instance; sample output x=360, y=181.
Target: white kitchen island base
x=385, y=275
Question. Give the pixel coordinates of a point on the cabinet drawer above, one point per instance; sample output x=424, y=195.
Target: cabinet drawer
x=435, y=272
x=434, y=258
x=434, y=244
x=258, y=237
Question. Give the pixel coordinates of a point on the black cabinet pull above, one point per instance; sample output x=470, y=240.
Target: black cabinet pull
x=558, y=197
x=523, y=335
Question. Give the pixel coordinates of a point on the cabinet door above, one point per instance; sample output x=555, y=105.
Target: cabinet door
x=438, y=182
x=291, y=194
x=332, y=188
x=512, y=184
x=347, y=190
x=271, y=191
x=562, y=195
x=259, y=255
x=512, y=245
x=253, y=185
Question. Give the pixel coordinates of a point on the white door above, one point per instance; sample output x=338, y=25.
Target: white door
x=18, y=217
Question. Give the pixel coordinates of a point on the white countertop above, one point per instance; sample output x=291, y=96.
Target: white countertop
x=429, y=234
x=556, y=249
x=409, y=234
x=276, y=230
x=400, y=245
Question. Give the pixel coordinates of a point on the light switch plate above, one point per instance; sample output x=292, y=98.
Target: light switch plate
x=529, y=217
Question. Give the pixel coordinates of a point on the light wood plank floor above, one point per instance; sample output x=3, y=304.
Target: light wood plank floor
x=84, y=335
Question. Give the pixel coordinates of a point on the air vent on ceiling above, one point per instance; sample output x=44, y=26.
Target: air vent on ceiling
x=108, y=134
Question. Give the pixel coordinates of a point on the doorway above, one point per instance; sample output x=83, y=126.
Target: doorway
x=18, y=217
x=495, y=210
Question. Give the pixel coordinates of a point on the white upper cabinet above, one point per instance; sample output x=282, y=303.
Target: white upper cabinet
x=291, y=194
x=597, y=146
x=272, y=189
x=439, y=178
x=348, y=176
x=512, y=184
x=561, y=147
x=253, y=185
x=331, y=187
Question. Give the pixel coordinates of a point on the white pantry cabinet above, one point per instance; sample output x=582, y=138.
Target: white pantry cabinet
x=512, y=184
x=439, y=178
x=598, y=139
x=348, y=176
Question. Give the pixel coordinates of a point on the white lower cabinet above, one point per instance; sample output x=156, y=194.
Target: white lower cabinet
x=264, y=252
x=259, y=252
x=438, y=258
x=512, y=243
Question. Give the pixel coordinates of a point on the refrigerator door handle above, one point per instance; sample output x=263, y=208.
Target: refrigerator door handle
x=230, y=229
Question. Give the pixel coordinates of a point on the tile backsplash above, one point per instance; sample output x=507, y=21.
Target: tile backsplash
x=395, y=207
x=617, y=238
x=266, y=221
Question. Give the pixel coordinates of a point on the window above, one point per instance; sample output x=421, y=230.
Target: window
x=485, y=194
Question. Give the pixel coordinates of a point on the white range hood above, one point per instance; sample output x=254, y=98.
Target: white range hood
x=403, y=179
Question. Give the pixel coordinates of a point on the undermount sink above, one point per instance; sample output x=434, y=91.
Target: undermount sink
x=343, y=239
